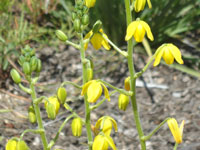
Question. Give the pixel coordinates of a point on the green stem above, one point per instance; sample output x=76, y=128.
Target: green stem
x=129, y=93
x=115, y=47
x=176, y=146
x=133, y=80
x=72, y=83
x=38, y=116
x=87, y=106
x=31, y=130
x=58, y=133
x=145, y=138
x=71, y=110
x=147, y=47
x=73, y=44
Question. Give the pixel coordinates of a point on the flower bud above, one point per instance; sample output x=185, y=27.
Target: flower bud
x=21, y=60
x=33, y=63
x=123, y=102
x=76, y=126
x=85, y=19
x=73, y=16
x=31, y=115
x=89, y=74
x=15, y=76
x=100, y=143
x=127, y=83
x=97, y=26
x=21, y=145
x=11, y=144
x=26, y=68
x=77, y=25
x=61, y=35
x=39, y=66
x=90, y=3
x=52, y=107
x=62, y=95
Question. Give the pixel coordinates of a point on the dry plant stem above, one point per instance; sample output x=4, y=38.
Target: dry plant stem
x=87, y=106
x=39, y=119
x=133, y=80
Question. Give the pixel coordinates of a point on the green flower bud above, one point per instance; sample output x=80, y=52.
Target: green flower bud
x=61, y=35
x=89, y=74
x=123, y=102
x=62, y=95
x=39, y=66
x=26, y=68
x=15, y=76
x=77, y=25
x=11, y=144
x=33, y=63
x=51, y=111
x=85, y=19
x=73, y=16
x=21, y=145
x=21, y=60
x=97, y=26
x=52, y=107
x=76, y=126
x=32, y=53
x=31, y=115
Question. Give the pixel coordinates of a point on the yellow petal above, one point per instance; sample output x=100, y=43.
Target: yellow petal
x=87, y=36
x=106, y=126
x=94, y=91
x=98, y=123
x=105, y=43
x=167, y=56
x=139, y=5
x=176, y=53
x=181, y=127
x=158, y=55
x=97, y=41
x=139, y=33
x=131, y=30
x=110, y=142
x=106, y=93
x=148, y=30
x=114, y=124
x=149, y=3
x=100, y=143
x=85, y=87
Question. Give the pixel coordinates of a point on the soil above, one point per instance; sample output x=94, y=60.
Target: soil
x=161, y=92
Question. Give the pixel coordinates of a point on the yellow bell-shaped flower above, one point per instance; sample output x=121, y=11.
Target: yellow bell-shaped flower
x=176, y=131
x=90, y=3
x=93, y=88
x=168, y=52
x=138, y=29
x=140, y=4
x=76, y=126
x=102, y=142
x=97, y=40
x=11, y=144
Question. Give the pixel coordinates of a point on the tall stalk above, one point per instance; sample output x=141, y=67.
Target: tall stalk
x=132, y=79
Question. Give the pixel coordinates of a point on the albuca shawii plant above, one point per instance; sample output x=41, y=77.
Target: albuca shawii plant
x=98, y=135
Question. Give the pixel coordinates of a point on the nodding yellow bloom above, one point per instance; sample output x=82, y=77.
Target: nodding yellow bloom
x=90, y=3
x=94, y=90
x=105, y=123
x=102, y=142
x=76, y=126
x=140, y=4
x=168, y=52
x=138, y=29
x=176, y=131
x=97, y=40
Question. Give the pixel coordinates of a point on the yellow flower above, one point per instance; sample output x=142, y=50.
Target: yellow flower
x=11, y=144
x=90, y=3
x=102, y=142
x=168, y=52
x=94, y=90
x=105, y=123
x=97, y=40
x=140, y=4
x=76, y=126
x=176, y=131
x=52, y=107
x=138, y=29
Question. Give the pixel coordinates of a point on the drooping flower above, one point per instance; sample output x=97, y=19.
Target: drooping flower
x=140, y=4
x=97, y=40
x=176, y=131
x=90, y=3
x=138, y=29
x=93, y=88
x=76, y=126
x=102, y=142
x=123, y=102
x=168, y=52
x=105, y=123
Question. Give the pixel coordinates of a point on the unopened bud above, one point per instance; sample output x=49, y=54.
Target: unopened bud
x=21, y=145
x=31, y=115
x=52, y=107
x=76, y=126
x=33, y=63
x=123, y=102
x=51, y=111
x=39, y=66
x=89, y=74
x=15, y=76
x=26, y=68
x=77, y=25
x=85, y=19
x=11, y=144
x=73, y=16
x=62, y=95
x=127, y=83
x=97, y=26
x=61, y=35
